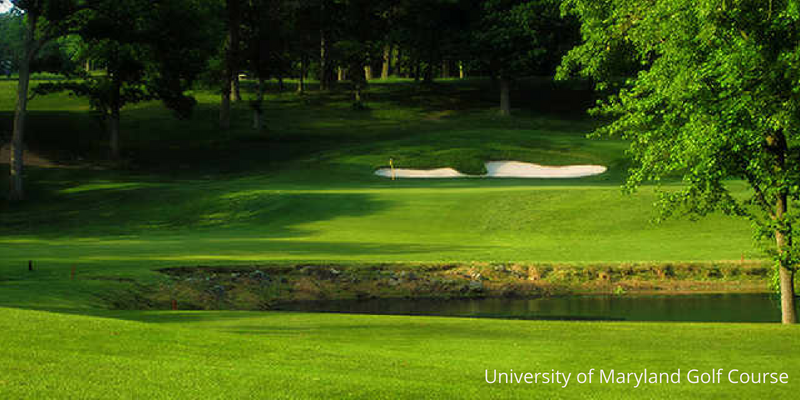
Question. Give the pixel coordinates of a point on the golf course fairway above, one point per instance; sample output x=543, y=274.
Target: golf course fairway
x=304, y=193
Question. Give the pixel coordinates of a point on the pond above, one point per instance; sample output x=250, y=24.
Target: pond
x=750, y=307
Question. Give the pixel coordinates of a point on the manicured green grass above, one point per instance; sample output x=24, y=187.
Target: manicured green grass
x=284, y=355
x=189, y=194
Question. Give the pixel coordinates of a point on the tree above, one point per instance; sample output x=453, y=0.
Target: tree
x=419, y=26
x=715, y=99
x=12, y=33
x=233, y=16
x=265, y=33
x=361, y=31
x=301, y=28
x=44, y=21
x=112, y=37
x=429, y=33
x=327, y=11
x=517, y=38
x=57, y=56
x=149, y=50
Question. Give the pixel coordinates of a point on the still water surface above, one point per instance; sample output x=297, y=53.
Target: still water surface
x=697, y=307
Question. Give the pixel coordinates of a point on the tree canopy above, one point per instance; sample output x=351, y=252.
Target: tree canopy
x=149, y=50
x=715, y=97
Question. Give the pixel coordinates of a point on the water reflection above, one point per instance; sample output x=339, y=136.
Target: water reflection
x=700, y=308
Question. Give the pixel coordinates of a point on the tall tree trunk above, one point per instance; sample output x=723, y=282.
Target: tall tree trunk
x=340, y=76
x=231, y=54
x=398, y=68
x=428, y=78
x=113, y=119
x=368, y=72
x=445, y=69
x=387, y=62
x=460, y=70
x=301, y=83
x=505, y=101
x=225, y=106
x=429, y=70
x=225, y=98
x=258, y=113
x=324, y=75
x=280, y=84
x=785, y=273
x=237, y=94
x=788, y=301
x=16, y=189
x=392, y=61
x=359, y=83
x=778, y=146
x=88, y=66
x=113, y=132
x=235, y=18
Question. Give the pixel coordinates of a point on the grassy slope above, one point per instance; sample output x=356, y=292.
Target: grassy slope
x=277, y=355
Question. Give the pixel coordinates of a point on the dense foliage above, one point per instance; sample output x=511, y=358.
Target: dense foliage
x=716, y=97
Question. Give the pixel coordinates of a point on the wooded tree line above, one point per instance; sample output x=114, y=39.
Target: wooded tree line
x=704, y=90
x=149, y=49
x=126, y=51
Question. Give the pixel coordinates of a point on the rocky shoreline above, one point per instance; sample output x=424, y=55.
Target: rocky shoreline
x=264, y=287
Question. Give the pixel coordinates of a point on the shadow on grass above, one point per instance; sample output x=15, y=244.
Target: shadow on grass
x=110, y=208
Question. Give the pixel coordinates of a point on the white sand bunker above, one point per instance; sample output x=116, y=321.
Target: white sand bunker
x=419, y=173
x=500, y=169
x=516, y=169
